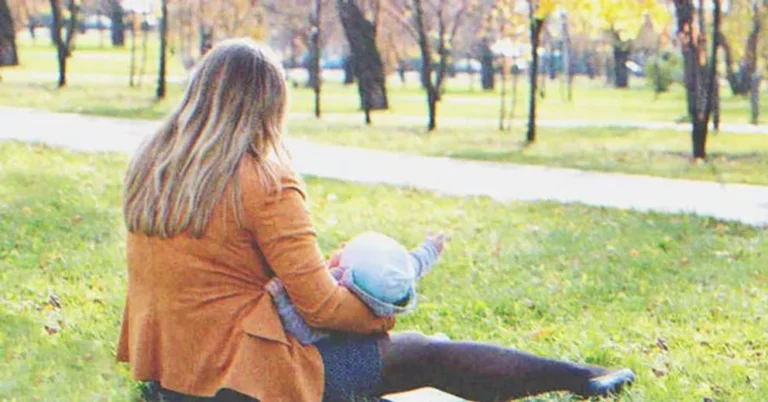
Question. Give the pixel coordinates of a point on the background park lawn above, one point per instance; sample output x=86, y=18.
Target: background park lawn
x=467, y=120
x=681, y=300
x=740, y=158
x=95, y=62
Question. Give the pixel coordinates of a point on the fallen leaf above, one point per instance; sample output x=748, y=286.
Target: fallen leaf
x=54, y=301
x=662, y=344
x=634, y=253
x=659, y=372
x=52, y=330
x=76, y=219
x=541, y=333
x=529, y=303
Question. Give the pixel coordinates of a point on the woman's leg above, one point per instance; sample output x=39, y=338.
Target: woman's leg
x=482, y=372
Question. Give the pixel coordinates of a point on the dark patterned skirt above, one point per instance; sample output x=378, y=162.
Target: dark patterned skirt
x=352, y=368
x=352, y=371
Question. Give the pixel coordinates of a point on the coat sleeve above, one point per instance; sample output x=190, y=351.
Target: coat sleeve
x=283, y=231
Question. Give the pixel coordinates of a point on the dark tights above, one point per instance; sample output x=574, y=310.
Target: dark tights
x=470, y=370
x=474, y=371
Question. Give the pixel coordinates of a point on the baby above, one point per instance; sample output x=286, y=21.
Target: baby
x=376, y=268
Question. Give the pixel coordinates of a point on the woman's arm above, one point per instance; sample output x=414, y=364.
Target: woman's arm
x=284, y=233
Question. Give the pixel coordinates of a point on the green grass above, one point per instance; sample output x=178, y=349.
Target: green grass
x=733, y=158
x=98, y=86
x=91, y=56
x=566, y=281
x=93, y=62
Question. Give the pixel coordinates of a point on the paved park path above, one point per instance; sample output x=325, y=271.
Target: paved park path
x=500, y=181
x=493, y=124
x=503, y=182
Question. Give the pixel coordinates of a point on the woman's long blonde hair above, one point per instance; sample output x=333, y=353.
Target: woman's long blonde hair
x=234, y=106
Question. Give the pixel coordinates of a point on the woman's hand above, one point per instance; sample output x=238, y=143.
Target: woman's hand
x=335, y=259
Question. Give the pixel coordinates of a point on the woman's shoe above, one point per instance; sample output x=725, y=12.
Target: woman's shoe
x=609, y=383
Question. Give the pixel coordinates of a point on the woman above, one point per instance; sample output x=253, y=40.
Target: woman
x=214, y=211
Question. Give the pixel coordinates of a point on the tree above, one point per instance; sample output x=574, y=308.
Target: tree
x=700, y=67
x=734, y=27
x=117, y=15
x=487, y=76
x=433, y=25
x=368, y=66
x=299, y=27
x=566, y=52
x=538, y=12
x=622, y=21
x=163, y=49
x=8, y=54
x=447, y=24
x=503, y=29
x=316, y=74
x=132, y=69
x=238, y=17
x=63, y=45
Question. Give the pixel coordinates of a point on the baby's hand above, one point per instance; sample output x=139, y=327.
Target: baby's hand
x=274, y=287
x=437, y=241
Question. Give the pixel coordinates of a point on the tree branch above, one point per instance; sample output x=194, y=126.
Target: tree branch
x=403, y=22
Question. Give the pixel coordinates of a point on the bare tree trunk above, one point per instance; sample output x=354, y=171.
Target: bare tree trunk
x=716, y=106
x=206, y=31
x=369, y=69
x=621, y=51
x=316, y=74
x=754, y=98
x=536, y=26
x=442, y=52
x=349, y=70
x=567, y=73
x=132, y=73
x=513, y=105
x=161, y=77
x=61, y=55
x=63, y=45
x=700, y=76
x=740, y=81
x=503, y=93
x=8, y=54
x=144, y=43
x=486, y=70
x=551, y=67
x=426, y=64
x=116, y=16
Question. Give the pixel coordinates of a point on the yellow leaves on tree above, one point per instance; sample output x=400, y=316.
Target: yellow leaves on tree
x=542, y=9
x=622, y=17
x=546, y=8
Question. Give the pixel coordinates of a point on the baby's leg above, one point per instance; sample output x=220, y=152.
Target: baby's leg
x=484, y=372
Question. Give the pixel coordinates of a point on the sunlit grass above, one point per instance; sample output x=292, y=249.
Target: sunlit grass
x=679, y=296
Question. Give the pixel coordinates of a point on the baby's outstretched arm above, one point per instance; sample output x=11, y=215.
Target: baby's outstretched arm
x=425, y=257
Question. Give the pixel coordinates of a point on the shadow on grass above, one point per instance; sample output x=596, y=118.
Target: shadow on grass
x=721, y=156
